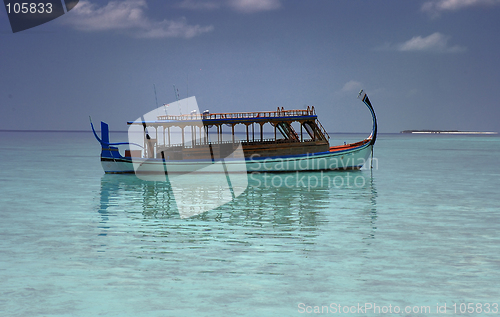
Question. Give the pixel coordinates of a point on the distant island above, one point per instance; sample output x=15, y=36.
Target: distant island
x=446, y=132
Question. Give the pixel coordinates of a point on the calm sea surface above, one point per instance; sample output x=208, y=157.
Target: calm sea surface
x=422, y=229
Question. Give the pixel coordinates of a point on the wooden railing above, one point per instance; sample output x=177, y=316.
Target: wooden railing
x=242, y=115
x=216, y=143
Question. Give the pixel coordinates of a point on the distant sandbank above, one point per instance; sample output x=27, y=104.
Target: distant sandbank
x=446, y=132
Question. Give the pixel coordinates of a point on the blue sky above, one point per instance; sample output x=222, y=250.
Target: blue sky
x=430, y=64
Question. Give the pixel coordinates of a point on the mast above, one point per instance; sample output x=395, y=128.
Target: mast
x=176, y=92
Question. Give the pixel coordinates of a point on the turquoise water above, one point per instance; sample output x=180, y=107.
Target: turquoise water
x=421, y=229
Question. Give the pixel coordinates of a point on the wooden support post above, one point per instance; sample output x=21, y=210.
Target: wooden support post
x=146, y=147
x=253, y=132
x=193, y=136
x=182, y=133
x=275, y=139
x=205, y=135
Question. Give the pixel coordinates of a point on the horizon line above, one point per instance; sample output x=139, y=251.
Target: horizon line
x=120, y=131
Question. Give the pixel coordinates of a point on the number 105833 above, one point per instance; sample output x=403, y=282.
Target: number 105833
x=29, y=7
x=477, y=308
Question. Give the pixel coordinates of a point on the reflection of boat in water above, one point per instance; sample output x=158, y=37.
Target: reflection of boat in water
x=263, y=233
x=195, y=142
x=292, y=200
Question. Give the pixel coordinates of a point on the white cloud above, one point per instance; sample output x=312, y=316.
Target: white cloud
x=351, y=86
x=200, y=4
x=434, y=7
x=251, y=6
x=173, y=29
x=436, y=42
x=244, y=6
x=129, y=16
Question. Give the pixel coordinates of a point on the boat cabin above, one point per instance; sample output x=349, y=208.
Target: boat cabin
x=181, y=137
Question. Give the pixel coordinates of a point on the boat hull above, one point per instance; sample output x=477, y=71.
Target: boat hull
x=346, y=158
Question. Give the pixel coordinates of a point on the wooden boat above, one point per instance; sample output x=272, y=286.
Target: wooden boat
x=196, y=143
